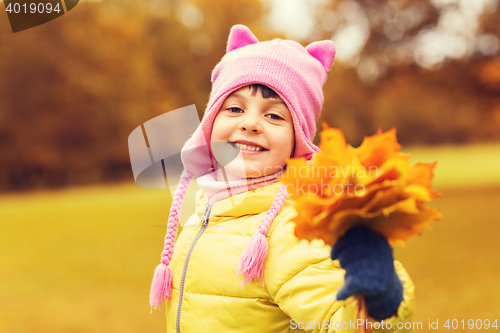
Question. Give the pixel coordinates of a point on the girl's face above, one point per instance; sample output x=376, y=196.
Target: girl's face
x=256, y=131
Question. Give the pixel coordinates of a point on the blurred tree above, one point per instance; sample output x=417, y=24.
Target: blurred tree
x=73, y=89
x=373, y=35
x=427, y=67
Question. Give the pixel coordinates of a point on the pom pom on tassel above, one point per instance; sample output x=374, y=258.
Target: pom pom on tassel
x=251, y=262
x=161, y=288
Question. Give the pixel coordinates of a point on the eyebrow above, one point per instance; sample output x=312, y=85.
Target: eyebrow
x=270, y=100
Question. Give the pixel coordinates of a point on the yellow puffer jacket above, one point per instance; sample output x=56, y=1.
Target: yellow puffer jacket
x=300, y=281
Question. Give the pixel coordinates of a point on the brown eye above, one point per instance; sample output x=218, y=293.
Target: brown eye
x=274, y=116
x=235, y=110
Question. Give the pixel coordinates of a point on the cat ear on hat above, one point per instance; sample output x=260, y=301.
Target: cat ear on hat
x=240, y=36
x=324, y=51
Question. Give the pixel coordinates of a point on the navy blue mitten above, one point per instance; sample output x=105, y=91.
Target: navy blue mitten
x=367, y=259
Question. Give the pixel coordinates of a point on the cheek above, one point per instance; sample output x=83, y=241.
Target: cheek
x=285, y=143
x=218, y=130
x=290, y=143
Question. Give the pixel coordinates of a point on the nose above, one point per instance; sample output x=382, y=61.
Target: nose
x=250, y=122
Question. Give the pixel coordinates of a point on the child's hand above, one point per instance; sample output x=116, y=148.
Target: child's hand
x=367, y=259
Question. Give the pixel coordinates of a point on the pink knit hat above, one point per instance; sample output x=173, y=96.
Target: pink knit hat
x=297, y=74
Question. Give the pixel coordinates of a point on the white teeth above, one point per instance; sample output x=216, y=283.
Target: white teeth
x=245, y=147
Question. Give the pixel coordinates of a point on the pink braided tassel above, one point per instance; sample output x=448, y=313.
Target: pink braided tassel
x=251, y=262
x=161, y=288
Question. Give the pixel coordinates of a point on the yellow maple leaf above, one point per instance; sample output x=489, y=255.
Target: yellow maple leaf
x=372, y=185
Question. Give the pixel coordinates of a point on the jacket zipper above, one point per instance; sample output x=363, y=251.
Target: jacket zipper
x=204, y=224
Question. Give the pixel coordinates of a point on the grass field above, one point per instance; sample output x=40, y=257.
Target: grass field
x=81, y=259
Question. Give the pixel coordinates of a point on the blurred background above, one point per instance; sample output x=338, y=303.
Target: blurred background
x=79, y=241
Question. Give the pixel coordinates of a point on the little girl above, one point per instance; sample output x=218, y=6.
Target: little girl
x=242, y=269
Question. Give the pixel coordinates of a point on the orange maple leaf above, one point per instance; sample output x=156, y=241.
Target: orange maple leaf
x=372, y=185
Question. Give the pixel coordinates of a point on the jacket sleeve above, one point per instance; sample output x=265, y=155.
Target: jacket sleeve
x=303, y=281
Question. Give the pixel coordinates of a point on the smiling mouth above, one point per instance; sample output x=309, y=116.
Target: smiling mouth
x=242, y=146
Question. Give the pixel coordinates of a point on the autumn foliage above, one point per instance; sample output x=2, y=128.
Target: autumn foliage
x=372, y=185
x=73, y=89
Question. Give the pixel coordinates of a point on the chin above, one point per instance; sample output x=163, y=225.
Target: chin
x=253, y=176
x=240, y=174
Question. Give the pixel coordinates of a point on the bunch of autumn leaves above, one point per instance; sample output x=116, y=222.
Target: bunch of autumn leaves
x=372, y=185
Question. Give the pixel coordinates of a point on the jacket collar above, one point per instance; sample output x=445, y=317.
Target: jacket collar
x=247, y=203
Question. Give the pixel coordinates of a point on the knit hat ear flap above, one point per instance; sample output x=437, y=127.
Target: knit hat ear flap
x=161, y=288
x=251, y=262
